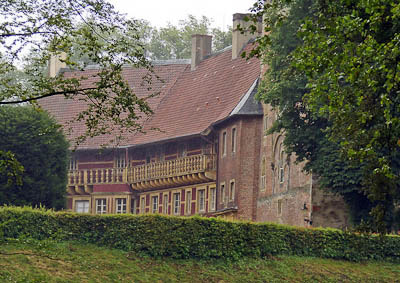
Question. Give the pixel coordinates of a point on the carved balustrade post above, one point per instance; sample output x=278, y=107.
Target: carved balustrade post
x=85, y=174
x=124, y=175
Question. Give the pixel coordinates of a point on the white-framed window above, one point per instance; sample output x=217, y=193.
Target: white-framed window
x=120, y=161
x=233, y=140
x=213, y=198
x=154, y=204
x=222, y=193
x=101, y=206
x=232, y=190
x=73, y=164
x=201, y=200
x=223, y=143
x=82, y=206
x=142, y=205
x=177, y=203
x=133, y=206
x=165, y=204
x=120, y=205
x=189, y=202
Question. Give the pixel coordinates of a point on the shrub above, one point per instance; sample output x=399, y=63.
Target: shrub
x=194, y=237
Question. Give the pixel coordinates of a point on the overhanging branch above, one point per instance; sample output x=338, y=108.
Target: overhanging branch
x=46, y=95
x=25, y=34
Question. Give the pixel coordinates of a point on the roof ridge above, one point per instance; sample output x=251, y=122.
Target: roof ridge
x=153, y=62
x=171, y=62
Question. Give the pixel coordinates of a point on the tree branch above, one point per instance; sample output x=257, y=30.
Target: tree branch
x=46, y=95
x=25, y=34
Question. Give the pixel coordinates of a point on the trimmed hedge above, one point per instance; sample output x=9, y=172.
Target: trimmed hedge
x=194, y=237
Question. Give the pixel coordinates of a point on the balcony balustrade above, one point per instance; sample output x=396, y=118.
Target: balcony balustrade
x=97, y=176
x=172, y=168
x=191, y=169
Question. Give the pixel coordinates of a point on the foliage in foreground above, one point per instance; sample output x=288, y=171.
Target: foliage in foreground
x=284, y=88
x=27, y=260
x=202, y=238
x=35, y=173
x=80, y=28
x=339, y=69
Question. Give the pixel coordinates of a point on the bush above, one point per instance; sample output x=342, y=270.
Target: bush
x=32, y=140
x=194, y=237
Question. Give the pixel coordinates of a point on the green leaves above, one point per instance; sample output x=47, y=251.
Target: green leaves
x=33, y=158
x=195, y=237
x=351, y=63
x=10, y=169
x=87, y=32
x=342, y=66
x=175, y=42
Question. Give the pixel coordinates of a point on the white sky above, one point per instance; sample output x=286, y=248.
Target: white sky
x=160, y=12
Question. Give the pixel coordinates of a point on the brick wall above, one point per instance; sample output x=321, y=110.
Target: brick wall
x=241, y=166
x=281, y=199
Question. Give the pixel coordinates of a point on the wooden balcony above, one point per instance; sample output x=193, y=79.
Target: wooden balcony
x=181, y=171
x=82, y=181
x=177, y=172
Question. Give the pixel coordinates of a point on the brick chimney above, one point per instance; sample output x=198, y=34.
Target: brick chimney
x=239, y=40
x=55, y=64
x=201, y=47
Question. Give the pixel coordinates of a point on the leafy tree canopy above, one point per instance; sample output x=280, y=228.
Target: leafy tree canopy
x=175, y=42
x=88, y=32
x=35, y=173
x=335, y=86
x=79, y=28
x=351, y=56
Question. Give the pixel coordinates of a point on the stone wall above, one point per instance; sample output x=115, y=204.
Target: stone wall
x=328, y=210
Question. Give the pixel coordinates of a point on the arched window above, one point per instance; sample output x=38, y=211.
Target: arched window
x=262, y=179
x=281, y=173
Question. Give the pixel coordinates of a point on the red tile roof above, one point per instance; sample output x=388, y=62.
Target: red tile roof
x=190, y=101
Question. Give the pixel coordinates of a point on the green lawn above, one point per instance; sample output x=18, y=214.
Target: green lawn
x=47, y=261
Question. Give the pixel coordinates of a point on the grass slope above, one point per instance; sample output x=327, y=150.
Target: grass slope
x=47, y=261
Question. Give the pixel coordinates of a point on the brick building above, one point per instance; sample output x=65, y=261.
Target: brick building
x=211, y=155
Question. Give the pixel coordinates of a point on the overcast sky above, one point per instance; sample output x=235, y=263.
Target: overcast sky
x=160, y=12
